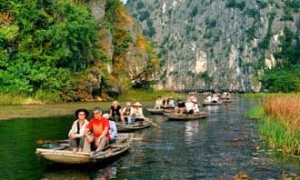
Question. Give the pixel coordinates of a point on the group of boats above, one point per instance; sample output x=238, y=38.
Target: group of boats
x=59, y=151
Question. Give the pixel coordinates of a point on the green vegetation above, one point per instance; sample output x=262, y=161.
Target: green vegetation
x=255, y=113
x=282, y=79
x=205, y=77
x=150, y=31
x=285, y=77
x=56, y=50
x=210, y=23
x=235, y=4
x=278, y=123
x=42, y=44
x=290, y=48
x=188, y=29
x=264, y=44
x=269, y=95
x=194, y=12
x=150, y=95
x=144, y=15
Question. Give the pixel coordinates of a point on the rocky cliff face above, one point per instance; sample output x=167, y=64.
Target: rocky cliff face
x=215, y=44
x=129, y=55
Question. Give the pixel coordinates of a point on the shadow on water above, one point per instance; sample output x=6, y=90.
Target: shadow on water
x=218, y=147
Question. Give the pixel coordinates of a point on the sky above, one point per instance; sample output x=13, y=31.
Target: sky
x=124, y=1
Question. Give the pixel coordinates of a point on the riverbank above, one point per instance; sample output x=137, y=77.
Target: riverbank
x=279, y=122
x=19, y=107
x=270, y=95
x=131, y=95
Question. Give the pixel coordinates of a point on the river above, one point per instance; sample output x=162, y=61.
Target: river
x=219, y=147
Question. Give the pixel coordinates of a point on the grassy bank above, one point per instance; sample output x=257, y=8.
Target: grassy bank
x=22, y=107
x=132, y=95
x=279, y=122
x=150, y=95
x=270, y=95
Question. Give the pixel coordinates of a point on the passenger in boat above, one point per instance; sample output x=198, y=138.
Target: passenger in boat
x=228, y=96
x=125, y=113
x=158, y=103
x=208, y=99
x=224, y=95
x=171, y=104
x=215, y=98
x=192, y=107
x=96, y=132
x=181, y=107
x=137, y=112
x=113, y=132
x=115, y=111
x=192, y=97
x=76, y=133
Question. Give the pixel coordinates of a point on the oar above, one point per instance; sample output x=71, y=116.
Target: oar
x=154, y=124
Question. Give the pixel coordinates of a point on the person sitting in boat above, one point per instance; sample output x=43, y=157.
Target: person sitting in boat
x=115, y=111
x=125, y=113
x=192, y=107
x=208, y=99
x=113, y=132
x=181, y=107
x=224, y=95
x=96, y=132
x=76, y=133
x=215, y=98
x=137, y=112
x=228, y=95
x=192, y=97
x=171, y=104
x=158, y=103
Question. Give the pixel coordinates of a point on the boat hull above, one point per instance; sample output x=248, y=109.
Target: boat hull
x=65, y=156
x=133, y=127
x=185, y=117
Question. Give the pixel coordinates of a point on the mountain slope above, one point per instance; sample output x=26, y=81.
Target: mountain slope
x=71, y=50
x=217, y=44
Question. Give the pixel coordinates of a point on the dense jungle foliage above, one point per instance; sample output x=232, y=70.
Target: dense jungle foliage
x=49, y=49
x=285, y=77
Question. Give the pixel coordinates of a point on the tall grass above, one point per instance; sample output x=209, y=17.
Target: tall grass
x=270, y=95
x=279, y=122
x=285, y=110
x=9, y=99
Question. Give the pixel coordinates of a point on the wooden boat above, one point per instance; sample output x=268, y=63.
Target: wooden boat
x=173, y=116
x=158, y=111
x=211, y=104
x=62, y=154
x=133, y=127
x=227, y=100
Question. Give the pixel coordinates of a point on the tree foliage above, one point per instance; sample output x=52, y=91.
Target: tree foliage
x=282, y=79
x=45, y=43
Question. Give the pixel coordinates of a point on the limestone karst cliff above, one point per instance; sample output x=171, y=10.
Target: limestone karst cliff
x=216, y=43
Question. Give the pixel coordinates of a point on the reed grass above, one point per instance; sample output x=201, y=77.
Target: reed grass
x=9, y=99
x=279, y=122
x=270, y=95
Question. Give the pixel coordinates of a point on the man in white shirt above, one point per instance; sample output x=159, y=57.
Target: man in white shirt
x=113, y=133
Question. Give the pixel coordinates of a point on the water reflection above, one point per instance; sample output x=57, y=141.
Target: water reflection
x=103, y=173
x=218, y=147
x=191, y=129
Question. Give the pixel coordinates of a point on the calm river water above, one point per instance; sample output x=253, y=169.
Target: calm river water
x=218, y=147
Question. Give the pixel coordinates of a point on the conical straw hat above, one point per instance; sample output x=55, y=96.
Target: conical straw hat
x=137, y=104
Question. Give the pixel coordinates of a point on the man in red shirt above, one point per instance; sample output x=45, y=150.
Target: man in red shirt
x=96, y=131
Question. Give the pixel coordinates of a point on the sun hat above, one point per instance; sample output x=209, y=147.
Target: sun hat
x=137, y=104
x=86, y=112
